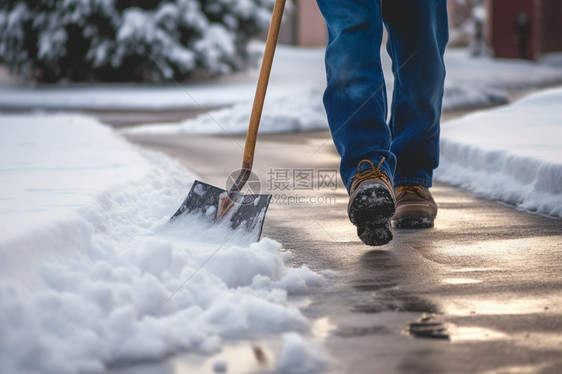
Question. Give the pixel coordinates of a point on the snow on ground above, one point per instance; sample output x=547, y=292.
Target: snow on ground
x=298, y=356
x=300, y=111
x=512, y=153
x=93, y=273
x=554, y=59
x=481, y=81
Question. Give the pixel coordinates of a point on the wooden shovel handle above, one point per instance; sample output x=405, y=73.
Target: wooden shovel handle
x=259, y=98
x=263, y=80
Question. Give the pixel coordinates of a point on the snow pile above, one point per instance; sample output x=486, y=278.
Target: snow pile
x=513, y=153
x=299, y=111
x=298, y=356
x=92, y=271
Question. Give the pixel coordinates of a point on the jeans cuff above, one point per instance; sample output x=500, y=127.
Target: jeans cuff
x=400, y=181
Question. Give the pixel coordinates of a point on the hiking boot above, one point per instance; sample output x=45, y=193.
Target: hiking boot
x=415, y=207
x=371, y=204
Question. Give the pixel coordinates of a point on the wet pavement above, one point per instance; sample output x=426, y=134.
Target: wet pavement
x=479, y=293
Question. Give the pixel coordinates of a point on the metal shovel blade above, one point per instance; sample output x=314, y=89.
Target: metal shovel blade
x=248, y=212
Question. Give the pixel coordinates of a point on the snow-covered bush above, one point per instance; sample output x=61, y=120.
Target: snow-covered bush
x=127, y=40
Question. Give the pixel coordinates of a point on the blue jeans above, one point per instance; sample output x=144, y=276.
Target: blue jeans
x=355, y=97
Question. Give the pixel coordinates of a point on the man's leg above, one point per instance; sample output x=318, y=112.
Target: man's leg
x=418, y=34
x=355, y=102
x=355, y=98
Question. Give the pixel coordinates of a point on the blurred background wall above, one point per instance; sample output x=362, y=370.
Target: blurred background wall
x=502, y=28
x=524, y=28
x=305, y=26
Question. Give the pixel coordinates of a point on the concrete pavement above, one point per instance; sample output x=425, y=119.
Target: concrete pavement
x=479, y=293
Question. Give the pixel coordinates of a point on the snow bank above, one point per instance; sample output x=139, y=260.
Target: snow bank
x=481, y=81
x=91, y=270
x=513, y=153
x=298, y=356
x=299, y=111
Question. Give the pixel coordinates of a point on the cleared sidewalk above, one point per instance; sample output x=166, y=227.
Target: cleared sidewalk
x=478, y=293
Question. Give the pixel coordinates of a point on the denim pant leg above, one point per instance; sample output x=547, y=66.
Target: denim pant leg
x=355, y=97
x=418, y=34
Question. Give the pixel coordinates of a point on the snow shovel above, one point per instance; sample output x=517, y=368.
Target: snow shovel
x=242, y=210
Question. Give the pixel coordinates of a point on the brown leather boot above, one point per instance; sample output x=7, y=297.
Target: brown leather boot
x=415, y=207
x=371, y=204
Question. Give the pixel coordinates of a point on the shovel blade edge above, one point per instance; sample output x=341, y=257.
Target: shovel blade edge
x=248, y=212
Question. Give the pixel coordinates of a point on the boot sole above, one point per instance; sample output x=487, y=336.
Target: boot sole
x=372, y=205
x=376, y=235
x=413, y=223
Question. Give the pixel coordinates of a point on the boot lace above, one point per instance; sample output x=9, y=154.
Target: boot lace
x=373, y=173
x=410, y=188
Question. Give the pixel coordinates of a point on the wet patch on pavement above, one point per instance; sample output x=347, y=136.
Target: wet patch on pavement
x=429, y=330
x=352, y=332
x=396, y=302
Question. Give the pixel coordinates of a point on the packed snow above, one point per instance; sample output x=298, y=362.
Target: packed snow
x=93, y=273
x=512, y=153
